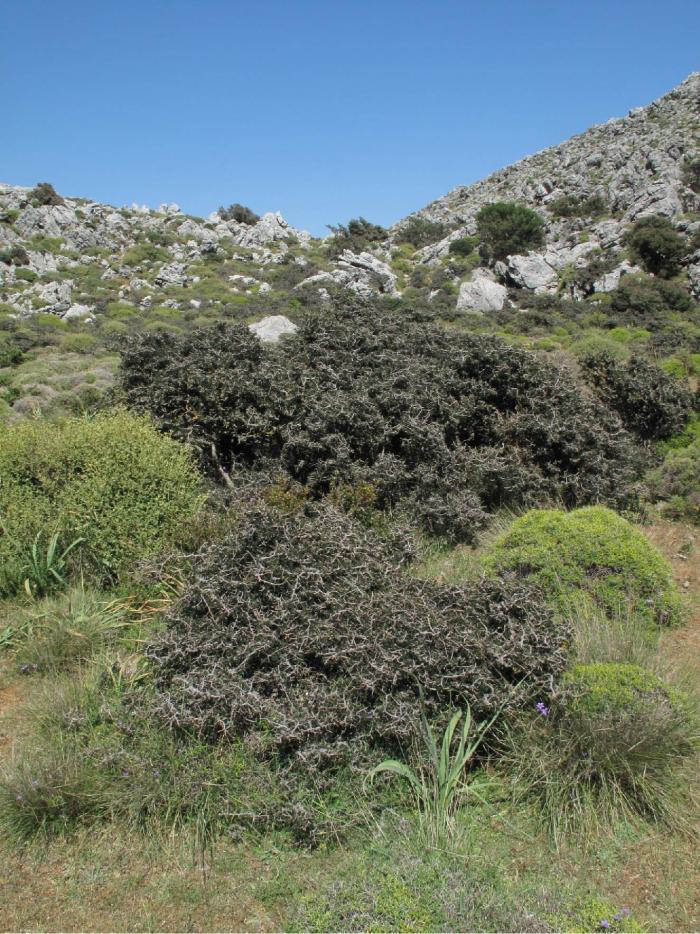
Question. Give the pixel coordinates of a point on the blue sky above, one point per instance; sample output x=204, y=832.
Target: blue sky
x=323, y=110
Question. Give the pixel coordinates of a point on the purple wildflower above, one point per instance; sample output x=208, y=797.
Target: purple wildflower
x=542, y=708
x=19, y=797
x=125, y=774
x=605, y=924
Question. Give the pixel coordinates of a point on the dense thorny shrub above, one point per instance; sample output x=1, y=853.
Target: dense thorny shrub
x=458, y=423
x=303, y=630
x=644, y=302
x=505, y=228
x=112, y=481
x=587, y=557
x=421, y=231
x=652, y=404
x=240, y=213
x=654, y=242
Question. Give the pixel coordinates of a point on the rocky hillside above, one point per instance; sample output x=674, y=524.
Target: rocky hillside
x=624, y=169
x=77, y=277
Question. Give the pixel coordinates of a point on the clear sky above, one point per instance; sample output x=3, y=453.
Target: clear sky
x=322, y=109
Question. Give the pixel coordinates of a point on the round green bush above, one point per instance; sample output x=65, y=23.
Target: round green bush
x=588, y=556
x=676, y=483
x=505, y=228
x=113, y=481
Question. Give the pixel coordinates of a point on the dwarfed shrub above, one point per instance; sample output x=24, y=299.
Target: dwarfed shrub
x=464, y=246
x=654, y=242
x=506, y=228
x=112, y=481
x=302, y=631
x=45, y=194
x=691, y=174
x=239, y=213
x=608, y=745
x=451, y=426
x=358, y=235
x=575, y=206
x=588, y=556
x=652, y=405
x=421, y=231
x=676, y=483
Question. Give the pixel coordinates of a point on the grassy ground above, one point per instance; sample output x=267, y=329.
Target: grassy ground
x=503, y=874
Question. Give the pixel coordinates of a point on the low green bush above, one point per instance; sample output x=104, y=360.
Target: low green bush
x=675, y=483
x=611, y=744
x=590, y=556
x=421, y=231
x=112, y=481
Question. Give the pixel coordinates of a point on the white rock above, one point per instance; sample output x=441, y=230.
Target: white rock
x=172, y=274
x=481, y=294
x=76, y=312
x=365, y=274
x=611, y=280
x=270, y=329
x=531, y=271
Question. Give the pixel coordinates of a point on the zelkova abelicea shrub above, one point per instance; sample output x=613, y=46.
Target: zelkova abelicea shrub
x=113, y=482
x=589, y=556
x=303, y=632
x=446, y=426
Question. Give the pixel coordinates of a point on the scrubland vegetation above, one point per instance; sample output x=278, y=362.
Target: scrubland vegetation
x=367, y=629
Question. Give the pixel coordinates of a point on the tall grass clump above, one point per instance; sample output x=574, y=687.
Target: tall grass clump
x=590, y=558
x=439, y=780
x=613, y=743
x=112, y=484
x=61, y=632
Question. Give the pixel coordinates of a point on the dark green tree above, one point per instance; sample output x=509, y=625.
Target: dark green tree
x=505, y=228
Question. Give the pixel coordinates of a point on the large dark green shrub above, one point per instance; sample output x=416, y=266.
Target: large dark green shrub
x=421, y=231
x=453, y=424
x=587, y=558
x=303, y=630
x=463, y=246
x=112, y=481
x=240, y=213
x=644, y=302
x=654, y=242
x=652, y=404
x=505, y=228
